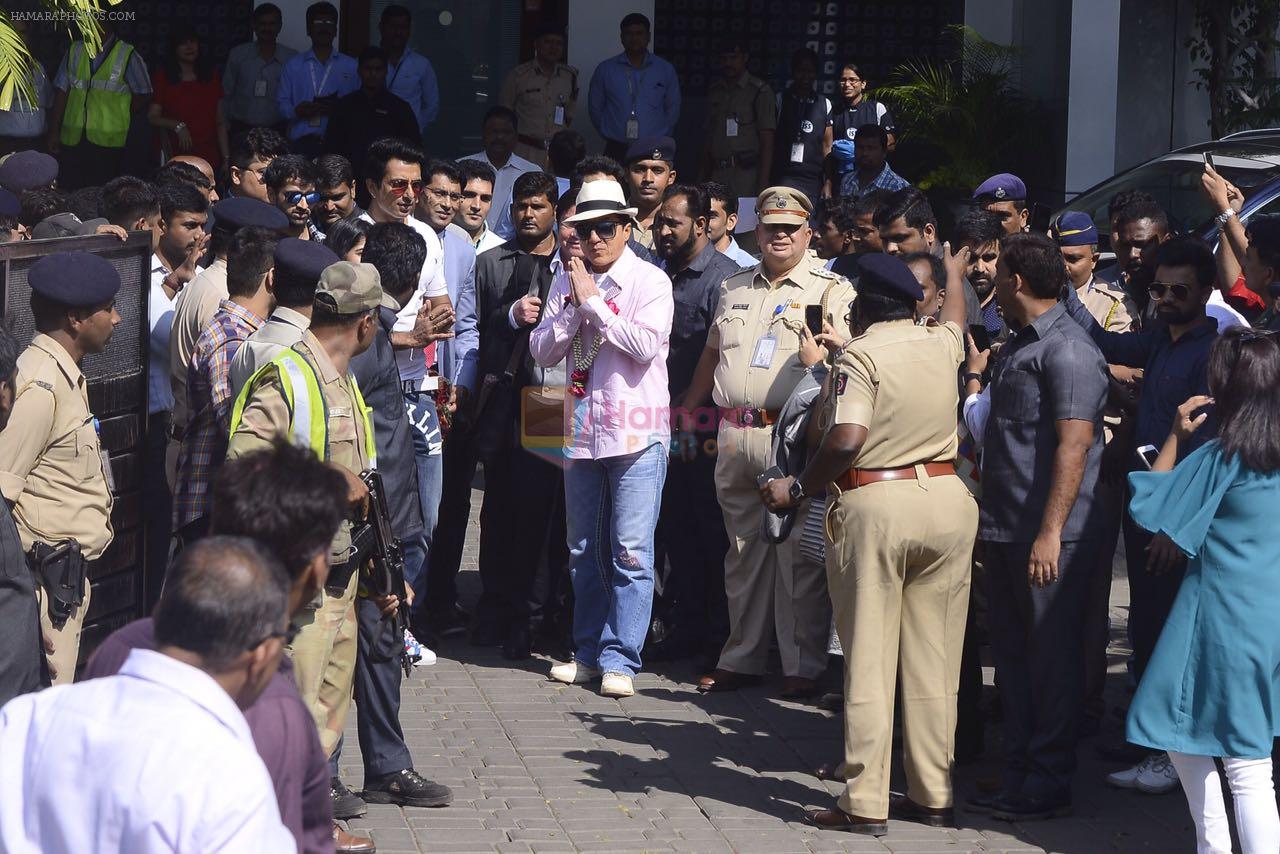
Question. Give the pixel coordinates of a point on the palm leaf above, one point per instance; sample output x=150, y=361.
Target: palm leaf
x=16, y=60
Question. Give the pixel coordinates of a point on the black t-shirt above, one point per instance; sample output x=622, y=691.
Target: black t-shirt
x=846, y=120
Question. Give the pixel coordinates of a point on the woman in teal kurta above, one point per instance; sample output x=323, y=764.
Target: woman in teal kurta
x=1212, y=688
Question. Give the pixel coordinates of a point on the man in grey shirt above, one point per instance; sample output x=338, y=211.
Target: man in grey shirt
x=253, y=73
x=1042, y=451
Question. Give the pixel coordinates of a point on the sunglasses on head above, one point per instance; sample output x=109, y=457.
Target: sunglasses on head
x=294, y=196
x=1179, y=291
x=605, y=229
x=398, y=186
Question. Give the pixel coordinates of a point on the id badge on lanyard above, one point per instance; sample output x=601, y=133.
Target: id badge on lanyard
x=316, y=87
x=634, y=82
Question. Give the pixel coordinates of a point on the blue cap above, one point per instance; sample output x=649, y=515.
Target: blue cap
x=889, y=275
x=843, y=151
x=9, y=204
x=1074, y=228
x=240, y=211
x=27, y=170
x=652, y=148
x=1004, y=187
x=305, y=259
x=76, y=279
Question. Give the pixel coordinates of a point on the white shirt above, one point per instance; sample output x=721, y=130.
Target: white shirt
x=160, y=310
x=499, y=218
x=488, y=240
x=432, y=283
x=739, y=255
x=1226, y=316
x=157, y=758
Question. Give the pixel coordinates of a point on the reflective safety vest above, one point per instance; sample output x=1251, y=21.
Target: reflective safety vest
x=98, y=103
x=308, y=413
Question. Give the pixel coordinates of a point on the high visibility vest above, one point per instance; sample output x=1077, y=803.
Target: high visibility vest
x=308, y=413
x=98, y=104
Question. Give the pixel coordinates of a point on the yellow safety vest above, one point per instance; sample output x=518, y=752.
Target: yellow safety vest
x=98, y=104
x=308, y=413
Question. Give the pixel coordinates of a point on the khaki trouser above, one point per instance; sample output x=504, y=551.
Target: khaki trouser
x=324, y=659
x=765, y=583
x=66, y=640
x=741, y=182
x=898, y=569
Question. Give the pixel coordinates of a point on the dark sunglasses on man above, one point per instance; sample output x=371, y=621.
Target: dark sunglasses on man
x=605, y=229
x=294, y=196
x=1179, y=291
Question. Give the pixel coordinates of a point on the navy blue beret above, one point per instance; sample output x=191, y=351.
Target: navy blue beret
x=1074, y=228
x=27, y=170
x=9, y=204
x=652, y=148
x=889, y=275
x=305, y=259
x=77, y=279
x=238, y=212
x=1003, y=187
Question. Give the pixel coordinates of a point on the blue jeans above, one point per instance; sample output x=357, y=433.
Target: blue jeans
x=612, y=508
x=427, y=444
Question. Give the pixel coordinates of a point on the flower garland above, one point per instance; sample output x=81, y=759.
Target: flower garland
x=582, y=362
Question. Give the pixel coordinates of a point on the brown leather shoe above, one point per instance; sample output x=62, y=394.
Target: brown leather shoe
x=726, y=680
x=830, y=772
x=902, y=807
x=798, y=688
x=838, y=819
x=345, y=843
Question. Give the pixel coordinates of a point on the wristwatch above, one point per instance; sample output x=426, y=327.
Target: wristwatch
x=1225, y=215
x=972, y=377
x=796, y=492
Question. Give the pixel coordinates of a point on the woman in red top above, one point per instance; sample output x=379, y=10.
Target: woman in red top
x=187, y=106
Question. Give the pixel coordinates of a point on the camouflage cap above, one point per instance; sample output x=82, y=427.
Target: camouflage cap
x=349, y=288
x=783, y=205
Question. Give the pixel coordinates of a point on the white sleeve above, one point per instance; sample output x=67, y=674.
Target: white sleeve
x=977, y=407
x=246, y=816
x=432, y=282
x=827, y=101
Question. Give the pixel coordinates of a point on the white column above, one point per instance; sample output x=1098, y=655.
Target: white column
x=1091, y=93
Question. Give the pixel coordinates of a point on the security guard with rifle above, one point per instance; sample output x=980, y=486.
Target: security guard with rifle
x=53, y=471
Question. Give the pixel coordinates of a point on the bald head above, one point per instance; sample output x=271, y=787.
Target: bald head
x=222, y=597
x=205, y=169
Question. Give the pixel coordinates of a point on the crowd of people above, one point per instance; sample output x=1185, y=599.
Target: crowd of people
x=868, y=439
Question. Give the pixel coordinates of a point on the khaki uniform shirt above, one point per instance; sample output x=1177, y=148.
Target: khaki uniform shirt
x=1111, y=307
x=750, y=101
x=751, y=309
x=283, y=329
x=534, y=97
x=197, y=304
x=644, y=236
x=898, y=379
x=266, y=418
x=51, y=464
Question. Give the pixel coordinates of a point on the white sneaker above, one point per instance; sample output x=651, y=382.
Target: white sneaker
x=617, y=685
x=1159, y=778
x=574, y=673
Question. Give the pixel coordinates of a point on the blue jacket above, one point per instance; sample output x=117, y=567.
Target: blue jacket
x=460, y=355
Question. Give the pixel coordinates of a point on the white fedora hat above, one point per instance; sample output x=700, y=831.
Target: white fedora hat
x=601, y=198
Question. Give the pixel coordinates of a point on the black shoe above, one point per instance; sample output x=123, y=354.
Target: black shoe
x=449, y=622
x=984, y=802
x=346, y=803
x=408, y=789
x=486, y=633
x=519, y=644
x=905, y=809
x=1028, y=808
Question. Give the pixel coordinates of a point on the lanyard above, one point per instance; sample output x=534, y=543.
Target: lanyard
x=635, y=79
x=394, y=74
x=316, y=87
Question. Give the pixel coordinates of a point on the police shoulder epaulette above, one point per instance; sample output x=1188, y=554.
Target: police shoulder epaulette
x=47, y=386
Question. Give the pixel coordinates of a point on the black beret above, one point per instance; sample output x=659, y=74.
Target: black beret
x=887, y=274
x=27, y=170
x=9, y=204
x=238, y=212
x=305, y=259
x=548, y=28
x=76, y=279
x=652, y=148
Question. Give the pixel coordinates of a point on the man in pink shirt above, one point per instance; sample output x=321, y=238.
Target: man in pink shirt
x=610, y=313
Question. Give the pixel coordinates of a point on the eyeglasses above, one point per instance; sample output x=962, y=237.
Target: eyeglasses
x=292, y=197
x=1179, y=291
x=399, y=186
x=605, y=230
x=445, y=194
x=288, y=634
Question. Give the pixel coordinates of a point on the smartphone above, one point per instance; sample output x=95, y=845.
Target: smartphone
x=981, y=337
x=1148, y=455
x=813, y=318
x=1040, y=218
x=771, y=473
x=1208, y=161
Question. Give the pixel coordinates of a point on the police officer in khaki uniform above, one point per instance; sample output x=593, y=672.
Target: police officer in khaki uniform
x=279, y=402
x=742, y=118
x=52, y=469
x=758, y=348
x=900, y=537
x=543, y=92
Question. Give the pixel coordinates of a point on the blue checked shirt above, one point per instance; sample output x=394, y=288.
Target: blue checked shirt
x=886, y=180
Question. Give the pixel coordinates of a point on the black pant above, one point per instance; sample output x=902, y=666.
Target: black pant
x=10, y=144
x=377, y=689
x=89, y=165
x=692, y=538
x=459, y=462
x=1097, y=621
x=1150, y=596
x=523, y=552
x=1038, y=646
x=157, y=507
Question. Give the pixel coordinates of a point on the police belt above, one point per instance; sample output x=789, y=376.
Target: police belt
x=63, y=572
x=854, y=478
x=752, y=417
x=739, y=160
x=532, y=141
